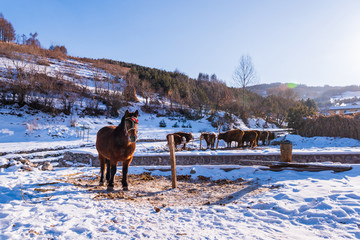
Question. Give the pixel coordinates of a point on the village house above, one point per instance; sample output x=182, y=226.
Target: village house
x=346, y=109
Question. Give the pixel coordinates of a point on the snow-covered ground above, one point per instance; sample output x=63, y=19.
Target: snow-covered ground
x=275, y=205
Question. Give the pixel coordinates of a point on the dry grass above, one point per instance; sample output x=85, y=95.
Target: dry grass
x=112, y=68
x=156, y=191
x=10, y=49
x=331, y=126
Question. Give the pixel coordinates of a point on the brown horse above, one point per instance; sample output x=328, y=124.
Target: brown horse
x=209, y=139
x=117, y=144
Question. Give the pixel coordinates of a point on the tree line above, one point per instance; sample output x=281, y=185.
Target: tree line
x=207, y=93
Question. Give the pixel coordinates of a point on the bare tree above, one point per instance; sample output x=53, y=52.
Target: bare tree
x=244, y=74
x=33, y=41
x=97, y=77
x=147, y=91
x=20, y=84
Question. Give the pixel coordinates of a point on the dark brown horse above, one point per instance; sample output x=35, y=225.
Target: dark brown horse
x=234, y=135
x=178, y=140
x=117, y=144
x=250, y=137
x=188, y=137
x=264, y=137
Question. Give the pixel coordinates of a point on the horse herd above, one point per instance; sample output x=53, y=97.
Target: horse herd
x=117, y=144
x=241, y=138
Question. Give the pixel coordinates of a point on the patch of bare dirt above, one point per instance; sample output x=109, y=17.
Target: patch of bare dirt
x=146, y=189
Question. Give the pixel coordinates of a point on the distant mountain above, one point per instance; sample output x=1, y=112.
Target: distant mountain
x=325, y=96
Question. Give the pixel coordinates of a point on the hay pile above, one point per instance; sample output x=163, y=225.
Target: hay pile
x=331, y=126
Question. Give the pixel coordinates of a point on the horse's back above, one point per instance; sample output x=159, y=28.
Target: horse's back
x=103, y=138
x=105, y=131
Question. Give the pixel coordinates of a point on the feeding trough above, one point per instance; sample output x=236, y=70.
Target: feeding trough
x=286, y=151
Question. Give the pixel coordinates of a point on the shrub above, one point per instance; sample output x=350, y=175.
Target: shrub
x=56, y=48
x=162, y=123
x=330, y=126
x=43, y=61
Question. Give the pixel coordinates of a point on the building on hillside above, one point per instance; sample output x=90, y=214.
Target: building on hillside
x=345, y=109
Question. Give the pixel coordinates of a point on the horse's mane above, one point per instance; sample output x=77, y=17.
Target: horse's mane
x=120, y=133
x=121, y=127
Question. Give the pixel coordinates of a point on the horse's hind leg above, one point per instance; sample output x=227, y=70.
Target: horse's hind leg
x=108, y=169
x=112, y=176
x=102, y=169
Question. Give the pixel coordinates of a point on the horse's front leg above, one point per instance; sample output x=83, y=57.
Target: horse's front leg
x=184, y=147
x=112, y=175
x=125, y=169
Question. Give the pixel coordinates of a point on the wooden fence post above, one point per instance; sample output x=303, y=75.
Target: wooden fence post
x=172, y=160
x=217, y=143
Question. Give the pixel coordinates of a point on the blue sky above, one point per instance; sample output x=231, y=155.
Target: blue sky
x=312, y=42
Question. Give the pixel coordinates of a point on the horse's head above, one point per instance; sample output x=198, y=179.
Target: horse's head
x=221, y=136
x=131, y=123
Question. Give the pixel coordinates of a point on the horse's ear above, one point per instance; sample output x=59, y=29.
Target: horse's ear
x=137, y=113
x=126, y=113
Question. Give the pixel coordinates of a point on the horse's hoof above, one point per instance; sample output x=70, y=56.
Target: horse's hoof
x=125, y=189
x=101, y=184
x=110, y=189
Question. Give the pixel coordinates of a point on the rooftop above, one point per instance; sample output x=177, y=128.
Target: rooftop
x=344, y=107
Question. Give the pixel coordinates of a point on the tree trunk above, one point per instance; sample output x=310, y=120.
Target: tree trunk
x=243, y=98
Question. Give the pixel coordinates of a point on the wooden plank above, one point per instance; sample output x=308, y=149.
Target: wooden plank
x=307, y=167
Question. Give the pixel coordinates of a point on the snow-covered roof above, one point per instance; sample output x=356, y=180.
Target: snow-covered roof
x=344, y=107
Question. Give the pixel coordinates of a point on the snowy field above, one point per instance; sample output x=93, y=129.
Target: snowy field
x=275, y=205
x=271, y=205
x=247, y=203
